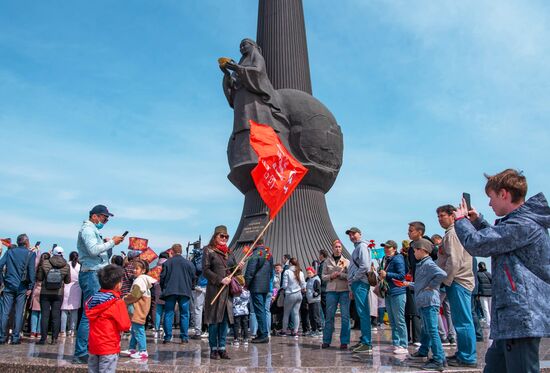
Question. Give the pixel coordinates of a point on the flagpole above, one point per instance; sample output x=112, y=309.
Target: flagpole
x=242, y=261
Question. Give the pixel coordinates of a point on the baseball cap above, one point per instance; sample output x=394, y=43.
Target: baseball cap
x=389, y=243
x=100, y=210
x=353, y=230
x=58, y=250
x=423, y=244
x=133, y=254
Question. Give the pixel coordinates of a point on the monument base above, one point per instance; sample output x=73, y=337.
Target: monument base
x=304, y=220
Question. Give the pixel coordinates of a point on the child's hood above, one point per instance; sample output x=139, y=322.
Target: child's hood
x=144, y=282
x=100, y=302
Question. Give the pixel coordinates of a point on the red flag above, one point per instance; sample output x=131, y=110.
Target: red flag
x=148, y=255
x=138, y=243
x=278, y=173
x=6, y=242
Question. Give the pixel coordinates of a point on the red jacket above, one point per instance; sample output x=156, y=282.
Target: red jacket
x=108, y=318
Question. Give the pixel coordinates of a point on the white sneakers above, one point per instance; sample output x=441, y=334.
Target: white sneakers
x=139, y=355
x=127, y=353
x=400, y=350
x=133, y=354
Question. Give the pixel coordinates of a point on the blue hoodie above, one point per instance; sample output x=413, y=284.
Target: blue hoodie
x=519, y=247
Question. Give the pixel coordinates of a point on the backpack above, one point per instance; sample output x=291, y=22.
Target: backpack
x=54, y=279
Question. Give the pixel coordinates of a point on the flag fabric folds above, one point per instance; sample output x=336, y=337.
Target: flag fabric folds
x=278, y=173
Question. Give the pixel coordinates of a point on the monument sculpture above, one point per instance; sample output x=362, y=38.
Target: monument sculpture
x=304, y=125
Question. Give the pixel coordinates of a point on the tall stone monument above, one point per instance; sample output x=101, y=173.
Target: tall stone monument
x=271, y=84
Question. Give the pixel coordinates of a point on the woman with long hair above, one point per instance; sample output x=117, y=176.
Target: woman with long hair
x=72, y=298
x=35, y=306
x=218, y=263
x=294, y=284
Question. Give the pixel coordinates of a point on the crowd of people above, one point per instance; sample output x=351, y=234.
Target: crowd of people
x=431, y=288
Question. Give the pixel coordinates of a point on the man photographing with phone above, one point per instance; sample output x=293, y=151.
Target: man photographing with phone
x=93, y=255
x=519, y=247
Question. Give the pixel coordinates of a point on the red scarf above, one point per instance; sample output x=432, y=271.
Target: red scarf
x=223, y=248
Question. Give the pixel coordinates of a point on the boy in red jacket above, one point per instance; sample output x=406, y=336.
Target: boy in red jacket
x=108, y=317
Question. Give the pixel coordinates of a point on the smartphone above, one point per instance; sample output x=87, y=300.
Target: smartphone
x=37, y=243
x=466, y=197
x=124, y=234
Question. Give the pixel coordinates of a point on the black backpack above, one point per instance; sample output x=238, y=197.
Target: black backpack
x=54, y=279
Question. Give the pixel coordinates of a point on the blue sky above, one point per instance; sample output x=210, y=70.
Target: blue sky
x=121, y=103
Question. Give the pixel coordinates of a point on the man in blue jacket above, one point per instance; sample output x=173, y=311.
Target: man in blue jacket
x=258, y=278
x=18, y=283
x=519, y=247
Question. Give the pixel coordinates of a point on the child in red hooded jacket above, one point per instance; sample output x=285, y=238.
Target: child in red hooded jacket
x=108, y=317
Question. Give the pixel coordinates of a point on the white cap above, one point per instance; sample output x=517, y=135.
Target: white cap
x=58, y=250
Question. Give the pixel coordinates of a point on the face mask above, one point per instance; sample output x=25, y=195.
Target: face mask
x=99, y=225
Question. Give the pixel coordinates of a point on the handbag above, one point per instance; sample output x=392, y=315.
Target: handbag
x=381, y=289
x=372, y=277
x=235, y=288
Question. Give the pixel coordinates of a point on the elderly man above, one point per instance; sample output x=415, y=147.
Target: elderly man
x=176, y=281
x=18, y=282
x=357, y=278
x=92, y=253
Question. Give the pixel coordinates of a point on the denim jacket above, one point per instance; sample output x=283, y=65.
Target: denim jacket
x=426, y=283
x=92, y=251
x=519, y=247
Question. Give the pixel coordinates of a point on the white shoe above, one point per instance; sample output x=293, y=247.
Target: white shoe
x=418, y=344
x=140, y=355
x=204, y=335
x=400, y=351
x=127, y=353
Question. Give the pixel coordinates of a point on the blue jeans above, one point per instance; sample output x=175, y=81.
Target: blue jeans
x=8, y=299
x=258, y=302
x=333, y=298
x=138, y=338
x=158, y=315
x=252, y=320
x=169, y=307
x=361, y=296
x=460, y=300
x=429, y=337
x=268, y=312
x=217, y=334
x=35, y=322
x=90, y=285
x=395, y=305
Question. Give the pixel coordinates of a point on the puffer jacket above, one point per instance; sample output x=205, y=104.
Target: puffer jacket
x=484, y=280
x=57, y=262
x=519, y=247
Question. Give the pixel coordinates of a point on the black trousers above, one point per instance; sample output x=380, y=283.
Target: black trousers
x=50, y=305
x=513, y=355
x=240, y=327
x=314, y=310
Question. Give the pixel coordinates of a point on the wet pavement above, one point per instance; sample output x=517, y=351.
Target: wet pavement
x=281, y=355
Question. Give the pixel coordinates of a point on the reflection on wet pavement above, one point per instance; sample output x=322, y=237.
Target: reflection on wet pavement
x=282, y=354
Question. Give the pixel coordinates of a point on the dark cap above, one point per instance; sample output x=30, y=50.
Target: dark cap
x=353, y=230
x=220, y=229
x=390, y=243
x=423, y=244
x=100, y=210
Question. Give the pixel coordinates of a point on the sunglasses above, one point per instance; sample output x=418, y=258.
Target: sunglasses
x=225, y=236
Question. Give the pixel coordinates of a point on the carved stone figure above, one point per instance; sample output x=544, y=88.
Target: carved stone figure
x=305, y=125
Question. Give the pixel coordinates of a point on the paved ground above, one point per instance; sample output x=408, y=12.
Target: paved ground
x=282, y=354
